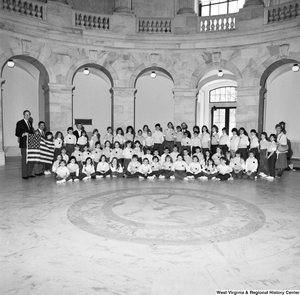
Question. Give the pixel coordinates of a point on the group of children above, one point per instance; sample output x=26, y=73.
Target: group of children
x=163, y=154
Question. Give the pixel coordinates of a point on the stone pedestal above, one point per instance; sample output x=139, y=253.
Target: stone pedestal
x=2, y=154
x=247, y=107
x=58, y=106
x=185, y=106
x=59, y=13
x=123, y=107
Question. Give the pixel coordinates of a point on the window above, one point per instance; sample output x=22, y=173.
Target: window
x=223, y=94
x=217, y=7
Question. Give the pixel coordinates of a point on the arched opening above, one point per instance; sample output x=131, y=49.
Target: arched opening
x=92, y=98
x=280, y=100
x=24, y=88
x=154, y=102
x=217, y=101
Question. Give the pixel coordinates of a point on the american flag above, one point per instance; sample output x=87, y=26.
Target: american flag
x=39, y=149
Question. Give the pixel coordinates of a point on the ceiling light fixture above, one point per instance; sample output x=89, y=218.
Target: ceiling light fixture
x=153, y=74
x=220, y=73
x=10, y=63
x=295, y=68
x=86, y=71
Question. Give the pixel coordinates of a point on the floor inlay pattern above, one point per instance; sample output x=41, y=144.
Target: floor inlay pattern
x=166, y=216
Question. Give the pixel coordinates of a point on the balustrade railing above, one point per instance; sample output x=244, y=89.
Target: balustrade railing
x=26, y=8
x=91, y=21
x=282, y=12
x=154, y=26
x=215, y=23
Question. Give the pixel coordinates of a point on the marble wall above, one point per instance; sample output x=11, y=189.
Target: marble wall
x=58, y=49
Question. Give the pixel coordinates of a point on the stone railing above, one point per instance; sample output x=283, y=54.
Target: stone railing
x=91, y=21
x=154, y=26
x=282, y=12
x=26, y=8
x=215, y=23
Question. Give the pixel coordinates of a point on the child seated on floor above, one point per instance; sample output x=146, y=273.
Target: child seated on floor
x=224, y=170
x=186, y=157
x=209, y=170
x=251, y=166
x=217, y=156
x=199, y=154
x=148, y=155
x=65, y=155
x=180, y=168
x=133, y=168
x=88, y=170
x=237, y=164
x=116, y=168
x=163, y=156
x=167, y=168
x=145, y=170
x=194, y=169
x=62, y=172
x=127, y=154
x=174, y=153
x=102, y=168
x=156, y=167
x=138, y=150
x=55, y=165
x=77, y=154
x=97, y=153
x=117, y=152
x=86, y=153
x=73, y=169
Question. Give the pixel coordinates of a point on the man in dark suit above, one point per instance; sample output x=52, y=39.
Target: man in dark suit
x=79, y=128
x=23, y=128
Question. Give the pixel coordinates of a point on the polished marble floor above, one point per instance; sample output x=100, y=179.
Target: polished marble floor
x=155, y=237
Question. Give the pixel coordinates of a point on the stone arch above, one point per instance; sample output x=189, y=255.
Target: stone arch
x=265, y=70
x=204, y=68
x=148, y=66
x=32, y=60
x=108, y=70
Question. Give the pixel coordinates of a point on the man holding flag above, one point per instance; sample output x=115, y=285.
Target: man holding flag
x=23, y=129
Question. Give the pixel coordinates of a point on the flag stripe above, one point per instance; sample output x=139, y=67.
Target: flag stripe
x=39, y=150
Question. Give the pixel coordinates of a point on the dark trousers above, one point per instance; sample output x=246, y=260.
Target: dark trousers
x=169, y=145
x=224, y=149
x=179, y=174
x=271, y=164
x=167, y=173
x=250, y=176
x=210, y=175
x=213, y=148
x=132, y=175
x=159, y=147
x=27, y=169
x=156, y=173
x=196, y=175
x=237, y=175
x=244, y=153
x=223, y=176
x=104, y=174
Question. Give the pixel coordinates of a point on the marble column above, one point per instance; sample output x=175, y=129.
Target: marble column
x=185, y=106
x=261, y=109
x=247, y=112
x=123, y=106
x=123, y=6
x=59, y=106
x=186, y=7
x=2, y=154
